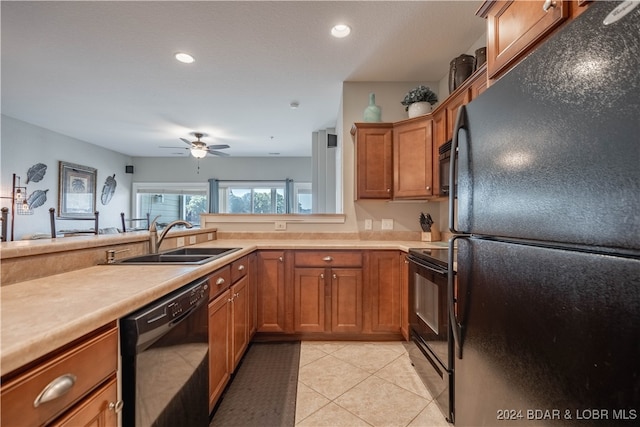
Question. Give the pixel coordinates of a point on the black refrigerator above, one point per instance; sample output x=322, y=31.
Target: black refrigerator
x=546, y=313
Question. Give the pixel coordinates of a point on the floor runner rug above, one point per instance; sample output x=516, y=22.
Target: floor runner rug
x=263, y=390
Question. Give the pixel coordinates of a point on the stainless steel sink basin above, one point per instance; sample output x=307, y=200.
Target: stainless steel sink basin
x=182, y=256
x=167, y=259
x=202, y=251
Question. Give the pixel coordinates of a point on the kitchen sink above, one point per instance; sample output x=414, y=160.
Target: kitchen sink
x=183, y=256
x=218, y=252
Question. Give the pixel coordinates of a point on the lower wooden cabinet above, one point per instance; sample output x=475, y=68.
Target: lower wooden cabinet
x=240, y=320
x=271, y=311
x=74, y=386
x=327, y=299
x=98, y=410
x=384, y=289
x=219, y=346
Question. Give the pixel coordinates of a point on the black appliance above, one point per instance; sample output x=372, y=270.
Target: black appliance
x=547, y=329
x=445, y=163
x=165, y=361
x=430, y=349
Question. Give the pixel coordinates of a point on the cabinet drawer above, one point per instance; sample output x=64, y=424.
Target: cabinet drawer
x=90, y=362
x=328, y=259
x=239, y=269
x=219, y=281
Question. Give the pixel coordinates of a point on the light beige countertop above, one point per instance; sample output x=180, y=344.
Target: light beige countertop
x=41, y=315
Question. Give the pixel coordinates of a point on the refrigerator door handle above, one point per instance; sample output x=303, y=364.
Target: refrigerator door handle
x=456, y=326
x=461, y=123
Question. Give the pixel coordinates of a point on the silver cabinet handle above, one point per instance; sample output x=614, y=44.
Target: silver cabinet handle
x=428, y=188
x=241, y=267
x=322, y=275
x=116, y=406
x=56, y=388
x=327, y=258
x=549, y=4
x=334, y=276
x=236, y=295
x=280, y=259
x=220, y=281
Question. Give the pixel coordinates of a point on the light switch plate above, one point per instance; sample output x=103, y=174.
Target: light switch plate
x=387, y=224
x=192, y=240
x=180, y=242
x=281, y=225
x=209, y=236
x=368, y=224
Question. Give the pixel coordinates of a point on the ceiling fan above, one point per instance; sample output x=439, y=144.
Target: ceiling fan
x=199, y=149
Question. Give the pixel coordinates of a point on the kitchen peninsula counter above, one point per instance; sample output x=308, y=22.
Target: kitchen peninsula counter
x=41, y=315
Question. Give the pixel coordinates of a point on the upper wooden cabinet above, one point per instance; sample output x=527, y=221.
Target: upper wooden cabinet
x=373, y=160
x=514, y=27
x=413, y=158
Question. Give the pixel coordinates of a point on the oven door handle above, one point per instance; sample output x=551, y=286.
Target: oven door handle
x=428, y=267
x=456, y=326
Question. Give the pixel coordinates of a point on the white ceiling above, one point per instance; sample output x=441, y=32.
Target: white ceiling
x=104, y=72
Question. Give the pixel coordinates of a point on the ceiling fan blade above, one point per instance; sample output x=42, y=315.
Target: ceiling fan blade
x=164, y=146
x=218, y=147
x=218, y=153
x=186, y=141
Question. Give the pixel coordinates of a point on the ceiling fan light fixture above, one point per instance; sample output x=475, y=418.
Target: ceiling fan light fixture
x=184, y=58
x=199, y=152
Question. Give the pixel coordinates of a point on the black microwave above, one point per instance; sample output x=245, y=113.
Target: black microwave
x=445, y=166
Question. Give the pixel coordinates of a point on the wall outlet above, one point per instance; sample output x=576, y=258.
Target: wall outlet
x=180, y=242
x=209, y=236
x=192, y=240
x=281, y=225
x=387, y=224
x=368, y=224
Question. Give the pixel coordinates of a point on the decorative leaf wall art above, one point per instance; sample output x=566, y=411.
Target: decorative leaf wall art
x=108, y=189
x=37, y=198
x=36, y=172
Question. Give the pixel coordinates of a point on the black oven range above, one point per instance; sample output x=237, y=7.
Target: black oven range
x=431, y=346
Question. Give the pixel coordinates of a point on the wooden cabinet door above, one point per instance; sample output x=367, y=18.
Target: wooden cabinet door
x=374, y=165
x=253, y=294
x=413, y=159
x=310, y=296
x=96, y=410
x=458, y=100
x=239, y=320
x=271, y=291
x=385, y=291
x=479, y=83
x=219, y=350
x=404, y=295
x=514, y=27
x=346, y=299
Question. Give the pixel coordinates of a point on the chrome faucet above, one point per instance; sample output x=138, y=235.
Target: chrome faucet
x=154, y=240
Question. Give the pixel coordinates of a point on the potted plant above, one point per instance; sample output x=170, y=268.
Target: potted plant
x=418, y=101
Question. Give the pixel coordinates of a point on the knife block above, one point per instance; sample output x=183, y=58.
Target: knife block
x=431, y=236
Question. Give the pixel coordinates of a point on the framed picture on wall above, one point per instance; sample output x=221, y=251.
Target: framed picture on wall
x=76, y=190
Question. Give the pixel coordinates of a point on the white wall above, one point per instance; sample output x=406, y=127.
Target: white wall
x=185, y=169
x=23, y=145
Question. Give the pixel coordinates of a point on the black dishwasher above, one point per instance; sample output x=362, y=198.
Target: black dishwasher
x=165, y=353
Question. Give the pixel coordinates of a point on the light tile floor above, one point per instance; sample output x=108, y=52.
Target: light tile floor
x=361, y=384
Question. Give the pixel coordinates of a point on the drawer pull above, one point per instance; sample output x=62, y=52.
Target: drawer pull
x=322, y=275
x=548, y=4
x=220, y=281
x=56, y=388
x=280, y=259
x=241, y=267
x=327, y=258
x=334, y=276
x=116, y=406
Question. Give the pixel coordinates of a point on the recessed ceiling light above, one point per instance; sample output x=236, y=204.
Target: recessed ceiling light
x=340, y=31
x=294, y=105
x=184, y=57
